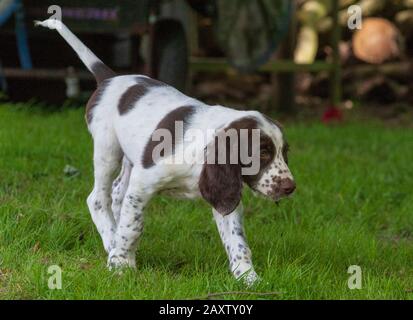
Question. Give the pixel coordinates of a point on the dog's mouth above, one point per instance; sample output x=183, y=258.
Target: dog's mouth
x=275, y=194
x=277, y=199
x=274, y=197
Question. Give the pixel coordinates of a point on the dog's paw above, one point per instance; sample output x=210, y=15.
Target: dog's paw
x=251, y=278
x=120, y=262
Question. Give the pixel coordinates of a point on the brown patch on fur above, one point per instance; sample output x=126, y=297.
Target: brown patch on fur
x=168, y=122
x=267, y=148
x=221, y=184
x=102, y=72
x=94, y=100
x=132, y=95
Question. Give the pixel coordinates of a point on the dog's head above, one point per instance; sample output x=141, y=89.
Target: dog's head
x=249, y=150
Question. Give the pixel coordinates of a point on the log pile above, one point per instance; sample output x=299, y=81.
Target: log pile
x=376, y=58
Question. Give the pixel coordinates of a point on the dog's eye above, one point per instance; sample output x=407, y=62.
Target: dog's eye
x=264, y=153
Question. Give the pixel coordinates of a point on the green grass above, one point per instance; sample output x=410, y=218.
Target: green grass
x=353, y=206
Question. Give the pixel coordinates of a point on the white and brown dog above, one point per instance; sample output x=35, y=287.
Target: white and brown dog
x=124, y=115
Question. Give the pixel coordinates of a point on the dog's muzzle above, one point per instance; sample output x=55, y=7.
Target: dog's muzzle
x=284, y=188
x=287, y=187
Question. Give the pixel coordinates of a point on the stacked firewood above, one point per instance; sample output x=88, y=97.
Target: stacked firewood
x=375, y=55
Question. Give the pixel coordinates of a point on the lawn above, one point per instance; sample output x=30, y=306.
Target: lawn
x=353, y=206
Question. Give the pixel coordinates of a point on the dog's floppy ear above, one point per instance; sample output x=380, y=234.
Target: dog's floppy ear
x=220, y=182
x=221, y=186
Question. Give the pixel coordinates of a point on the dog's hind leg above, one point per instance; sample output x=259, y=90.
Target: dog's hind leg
x=231, y=230
x=106, y=160
x=119, y=187
x=130, y=224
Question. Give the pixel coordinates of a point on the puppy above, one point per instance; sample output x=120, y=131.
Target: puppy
x=167, y=142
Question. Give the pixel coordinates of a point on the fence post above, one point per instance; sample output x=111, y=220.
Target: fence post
x=286, y=80
x=335, y=79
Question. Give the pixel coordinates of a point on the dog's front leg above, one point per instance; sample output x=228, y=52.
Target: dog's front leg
x=130, y=225
x=231, y=230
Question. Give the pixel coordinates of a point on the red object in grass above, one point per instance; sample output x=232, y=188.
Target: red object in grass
x=332, y=114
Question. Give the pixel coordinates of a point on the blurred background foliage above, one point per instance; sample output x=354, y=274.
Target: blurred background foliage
x=284, y=57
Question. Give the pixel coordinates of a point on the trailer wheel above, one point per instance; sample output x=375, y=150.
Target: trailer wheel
x=170, y=53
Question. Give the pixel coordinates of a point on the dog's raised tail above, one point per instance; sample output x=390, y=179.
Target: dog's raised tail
x=91, y=61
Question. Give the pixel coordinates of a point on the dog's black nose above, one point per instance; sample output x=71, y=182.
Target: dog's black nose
x=287, y=186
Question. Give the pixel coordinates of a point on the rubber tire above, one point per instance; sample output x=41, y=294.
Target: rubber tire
x=170, y=53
